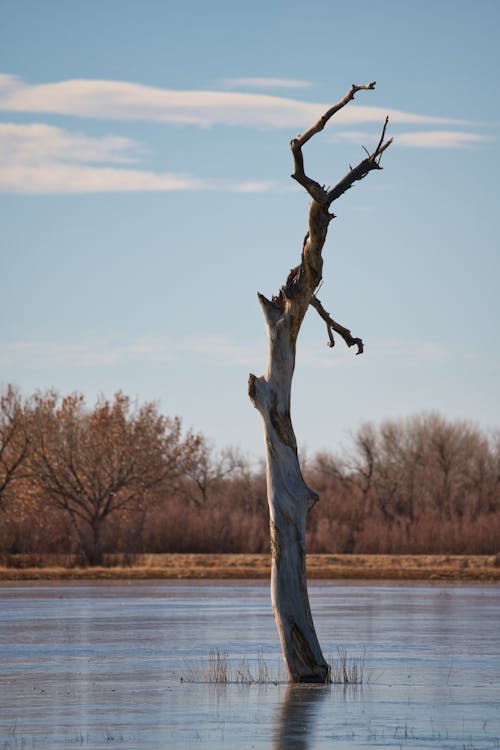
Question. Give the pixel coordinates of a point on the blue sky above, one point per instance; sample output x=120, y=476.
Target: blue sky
x=145, y=198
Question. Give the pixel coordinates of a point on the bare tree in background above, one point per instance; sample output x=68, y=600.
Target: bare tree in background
x=208, y=468
x=93, y=463
x=289, y=497
x=14, y=440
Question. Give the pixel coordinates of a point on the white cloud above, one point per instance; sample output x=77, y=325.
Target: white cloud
x=354, y=136
x=53, y=179
x=252, y=187
x=38, y=143
x=266, y=83
x=121, y=100
x=419, y=139
x=439, y=139
x=42, y=159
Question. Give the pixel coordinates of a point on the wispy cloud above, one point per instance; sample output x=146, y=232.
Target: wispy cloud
x=439, y=139
x=101, y=353
x=38, y=143
x=224, y=350
x=54, y=179
x=418, y=139
x=43, y=159
x=408, y=353
x=354, y=136
x=121, y=100
x=415, y=351
x=252, y=187
x=266, y=83
x=228, y=352
x=221, y=351
x=43, y=354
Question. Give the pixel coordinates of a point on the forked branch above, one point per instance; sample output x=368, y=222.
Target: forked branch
x=318, y=192
x=319, y=215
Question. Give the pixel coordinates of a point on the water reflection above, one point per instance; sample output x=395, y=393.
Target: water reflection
x=297, y=714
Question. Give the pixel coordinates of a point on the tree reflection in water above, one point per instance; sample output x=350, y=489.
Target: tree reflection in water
x=297, y=714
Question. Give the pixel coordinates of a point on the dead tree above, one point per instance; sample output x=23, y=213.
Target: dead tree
x=289, y=497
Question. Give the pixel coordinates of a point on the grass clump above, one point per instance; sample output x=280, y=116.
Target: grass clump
x=347, y=670
x=216, y=669
x=212, y=669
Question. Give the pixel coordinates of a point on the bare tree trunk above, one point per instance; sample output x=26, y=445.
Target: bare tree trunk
x=290, y=499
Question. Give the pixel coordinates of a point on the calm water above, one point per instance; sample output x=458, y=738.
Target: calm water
x=99, y=665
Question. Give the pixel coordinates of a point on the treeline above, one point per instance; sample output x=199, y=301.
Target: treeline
x=120, y=477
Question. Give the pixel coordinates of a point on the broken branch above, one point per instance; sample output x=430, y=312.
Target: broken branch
x=332, y=325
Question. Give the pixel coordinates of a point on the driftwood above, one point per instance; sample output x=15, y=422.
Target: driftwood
x=289, y=497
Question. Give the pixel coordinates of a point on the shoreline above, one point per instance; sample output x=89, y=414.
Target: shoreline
x=460, y=568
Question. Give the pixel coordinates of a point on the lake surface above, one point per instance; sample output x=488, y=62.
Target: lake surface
x=99, y=665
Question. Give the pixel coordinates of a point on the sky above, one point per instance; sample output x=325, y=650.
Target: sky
x=145, y=199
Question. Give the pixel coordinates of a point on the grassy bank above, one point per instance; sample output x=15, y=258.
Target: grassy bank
x=230, y=566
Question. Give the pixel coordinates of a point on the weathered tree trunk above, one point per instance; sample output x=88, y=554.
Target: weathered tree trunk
x=289, y=497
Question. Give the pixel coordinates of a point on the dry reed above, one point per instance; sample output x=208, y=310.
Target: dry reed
x=346, y=670
x=216, y=669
